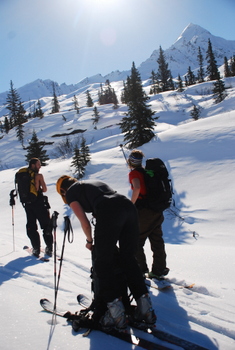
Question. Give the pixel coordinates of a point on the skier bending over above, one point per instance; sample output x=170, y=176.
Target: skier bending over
x=116, y=221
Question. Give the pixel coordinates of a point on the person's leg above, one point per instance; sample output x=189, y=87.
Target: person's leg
x=158, y=246
x=41, y=208
x=31, y=227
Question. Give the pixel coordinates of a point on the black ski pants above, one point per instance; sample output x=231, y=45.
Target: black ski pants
x=117, y=223
x=39, y=211
x=151, y=228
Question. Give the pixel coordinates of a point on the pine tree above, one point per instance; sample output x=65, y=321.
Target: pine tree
x=190, y=77
x=77, y=163
x=89, y=101
x=55, y=103
x=13, y=101
x=154, y=83
x=80, y=159
x=163, y=73
x=6, y=125
x=107, y=95
x=35, y=149
x=85, y=152
x=180, y=84
x=171, y=83
x=200, y=76
x=124, y=96
x=20, y=120
x=219, y=90
x=138, y=125
x=227, y=72
x=40, y=113
x=195, y=112
x=75, y=104
x=232, y=66
x=96, y=117
x=212, y=70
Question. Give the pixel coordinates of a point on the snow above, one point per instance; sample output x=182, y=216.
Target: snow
x=199, y=239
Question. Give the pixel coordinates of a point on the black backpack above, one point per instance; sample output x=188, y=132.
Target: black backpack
x=158, y=186
x=25, y=184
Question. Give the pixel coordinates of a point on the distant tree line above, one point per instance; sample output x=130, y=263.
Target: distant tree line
x=138, y=124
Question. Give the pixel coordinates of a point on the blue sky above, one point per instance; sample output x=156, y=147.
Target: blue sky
x=68, y=40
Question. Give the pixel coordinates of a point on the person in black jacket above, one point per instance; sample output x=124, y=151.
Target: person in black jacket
x=116, y=222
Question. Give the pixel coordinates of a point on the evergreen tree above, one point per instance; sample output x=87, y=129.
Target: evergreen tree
x=80, y=159
x=171, y=83
x=163, y=73
x=20, y=120
x=232, y=66
x=85, y=152
x=195, y=112
x=124, y=96
x=77, y=163
x=6, y=125
x=96, y=117
x=39, y=112
x=154, y=83
x=13, y=101
x=89, y=101
x=227, y=72
x=180, y=84
x=55, y=103
x=107, y=95
x=35, y=149
x=75, y=104
x=200, y=76
x=190, y=77
x=138, y=125
x=219, y=90
x=212, y=70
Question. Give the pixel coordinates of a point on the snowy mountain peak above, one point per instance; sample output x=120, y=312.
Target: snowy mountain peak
x=183, y=53
x=192, y=31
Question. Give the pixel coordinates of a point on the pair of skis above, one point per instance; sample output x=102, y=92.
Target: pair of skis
x=128, y=335
x=165, y=284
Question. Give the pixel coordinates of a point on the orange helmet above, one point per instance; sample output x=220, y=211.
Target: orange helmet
x=58, y=186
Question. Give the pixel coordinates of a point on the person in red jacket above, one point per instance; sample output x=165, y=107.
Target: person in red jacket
x=150, y=221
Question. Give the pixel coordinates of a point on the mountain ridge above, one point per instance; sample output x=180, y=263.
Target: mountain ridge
x=180, y=55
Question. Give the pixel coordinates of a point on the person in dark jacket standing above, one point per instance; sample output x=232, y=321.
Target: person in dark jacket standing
x=116, y=222
x=38, y=210
x=149, y=220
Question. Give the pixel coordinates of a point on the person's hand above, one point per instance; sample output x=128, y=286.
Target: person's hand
x=89, y=245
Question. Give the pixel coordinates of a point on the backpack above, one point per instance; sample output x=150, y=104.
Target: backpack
x=25, y=181
x=158, y=186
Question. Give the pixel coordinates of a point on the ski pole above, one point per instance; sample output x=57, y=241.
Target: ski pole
x=121, y=145
x=54, y=225
x=12, y=203
x=67, y=230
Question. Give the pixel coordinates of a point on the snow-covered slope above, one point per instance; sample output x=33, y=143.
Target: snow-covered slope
x=199, y=240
